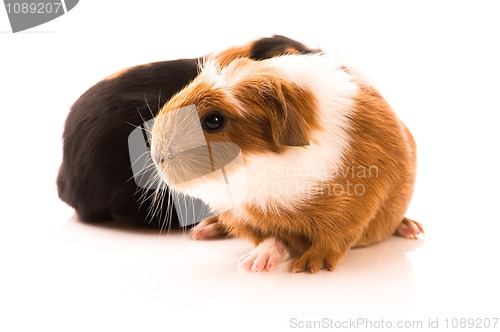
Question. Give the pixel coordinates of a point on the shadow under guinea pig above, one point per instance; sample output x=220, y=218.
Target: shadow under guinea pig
x=95, y=176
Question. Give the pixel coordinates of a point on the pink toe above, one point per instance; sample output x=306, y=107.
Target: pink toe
x=410, y=229
x=247, y=265
x=259, y=264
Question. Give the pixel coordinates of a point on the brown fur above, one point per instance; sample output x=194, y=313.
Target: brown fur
x=324, y=228
x=227, y=56
x=282, y=109
x=275, y=113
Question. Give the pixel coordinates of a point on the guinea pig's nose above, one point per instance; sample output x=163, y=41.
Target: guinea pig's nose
x=158, y=158
x=161, y=157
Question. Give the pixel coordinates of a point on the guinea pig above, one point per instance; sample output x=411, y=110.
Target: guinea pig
x=95, y=176
x=312, y=158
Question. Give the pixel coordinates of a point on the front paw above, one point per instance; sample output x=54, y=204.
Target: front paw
x=265, y=257
x=315, y=259
x=209, y=228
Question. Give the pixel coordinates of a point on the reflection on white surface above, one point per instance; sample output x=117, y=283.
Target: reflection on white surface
x=104, y=271
x=78, y=277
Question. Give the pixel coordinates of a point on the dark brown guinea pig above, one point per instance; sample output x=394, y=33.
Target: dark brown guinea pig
x=95, y=176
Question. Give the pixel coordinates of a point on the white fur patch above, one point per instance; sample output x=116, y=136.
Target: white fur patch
x=287, y=179
x=210, y=70
x=223, y=189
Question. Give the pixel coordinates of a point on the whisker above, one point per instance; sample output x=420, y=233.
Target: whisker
x=159, y=101
x=149, y=108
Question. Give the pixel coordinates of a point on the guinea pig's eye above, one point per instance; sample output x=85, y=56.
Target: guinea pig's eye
x=213, y=122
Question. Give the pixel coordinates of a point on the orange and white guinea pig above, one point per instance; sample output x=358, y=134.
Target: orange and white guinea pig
x=327, y=164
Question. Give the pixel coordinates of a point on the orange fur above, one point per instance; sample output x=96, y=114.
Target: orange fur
x=276, y=113
x=329, y=225
x=227, y=56
x=291, y=119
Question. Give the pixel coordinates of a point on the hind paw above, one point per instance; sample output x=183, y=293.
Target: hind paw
x=410, y=229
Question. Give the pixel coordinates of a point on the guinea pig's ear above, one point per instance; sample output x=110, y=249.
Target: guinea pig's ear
x=290, y=109
x=266, y=48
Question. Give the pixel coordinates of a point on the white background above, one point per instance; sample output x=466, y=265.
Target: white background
x=437, y=63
